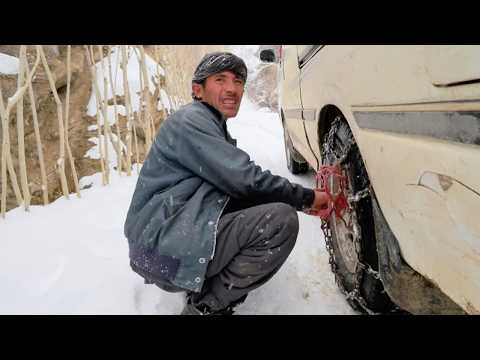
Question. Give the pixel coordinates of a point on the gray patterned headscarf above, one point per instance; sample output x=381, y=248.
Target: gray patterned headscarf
x=216, y=62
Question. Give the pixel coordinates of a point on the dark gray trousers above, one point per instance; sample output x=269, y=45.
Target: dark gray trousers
x=252, y=244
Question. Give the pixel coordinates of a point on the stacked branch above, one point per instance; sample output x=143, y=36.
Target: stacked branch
x=128, y=111
x=7, y=157
x=91, y=63
x=61, y=130
x=113, y=87
x=4, y=162
x=106, y=121
x=67, y=122
x=21, y=131
x=43, y=173
x=160, y=97
x=144, y=85
x=135, y=138
x=140, y=112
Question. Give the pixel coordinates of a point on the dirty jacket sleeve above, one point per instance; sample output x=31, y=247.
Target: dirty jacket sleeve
x=200, y=145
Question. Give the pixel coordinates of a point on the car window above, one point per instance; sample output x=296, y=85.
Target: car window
x=306, y=52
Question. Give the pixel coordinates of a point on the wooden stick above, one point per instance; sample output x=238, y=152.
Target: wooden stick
x=36, y=128
x=4, y=163
x=136, y=120
x=157, y=55
x=21, y=131
x=61, y=130
x=137, y=156
x=5, y=114
x=145, y=91
x=113, y=87
x=106, y=123
x=157, y=86
x=141, y=116
x=140, y=112
x=127, y=110
x=99, y=115
x=93, y=70
x=67, y=122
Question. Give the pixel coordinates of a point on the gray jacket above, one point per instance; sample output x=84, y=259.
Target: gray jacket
x=192, y=170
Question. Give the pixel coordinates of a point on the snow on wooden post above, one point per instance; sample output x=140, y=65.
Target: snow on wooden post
x=159, y=75
x=21, y=131
x=137, y=157
x=135, y=138
x=8, y=155
x=128, y=106
x=36, y=129
x=4, y=160
x=160, y=97
x=67, y=121
x=152, y=109
x=106, y=121
x=61, y=130
x=145, y=91
x=142, y=101
x=93, y=70
x=126, y=93
x=113, y=87
x=158, y=84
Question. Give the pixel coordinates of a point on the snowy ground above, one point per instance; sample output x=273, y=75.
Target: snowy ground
x=71, y=256
x=8, y=64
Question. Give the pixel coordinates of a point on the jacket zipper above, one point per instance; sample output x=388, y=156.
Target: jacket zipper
x=216, y=228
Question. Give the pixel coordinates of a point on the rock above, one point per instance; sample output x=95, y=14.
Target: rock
x=262, y=89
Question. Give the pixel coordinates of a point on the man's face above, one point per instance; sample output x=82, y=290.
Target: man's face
x=223, y=91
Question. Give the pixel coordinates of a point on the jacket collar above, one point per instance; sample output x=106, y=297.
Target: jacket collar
x=218, y=114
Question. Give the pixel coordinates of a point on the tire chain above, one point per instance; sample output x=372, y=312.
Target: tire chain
x=361, y=267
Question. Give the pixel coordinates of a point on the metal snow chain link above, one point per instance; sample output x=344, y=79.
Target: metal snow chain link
x=362, y=194
x=361, y=267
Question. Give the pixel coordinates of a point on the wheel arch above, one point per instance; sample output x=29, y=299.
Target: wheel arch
x=326, y=116
x=325, y=119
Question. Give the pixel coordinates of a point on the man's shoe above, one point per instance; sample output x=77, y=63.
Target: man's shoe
x=203, y=309
x=190, y=309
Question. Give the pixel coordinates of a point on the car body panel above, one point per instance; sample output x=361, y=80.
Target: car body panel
x=417, y=127
x=290, y=91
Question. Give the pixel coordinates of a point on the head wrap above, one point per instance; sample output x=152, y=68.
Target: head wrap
x=216, y=62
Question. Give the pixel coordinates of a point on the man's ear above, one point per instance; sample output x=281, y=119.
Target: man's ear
x=197, y=91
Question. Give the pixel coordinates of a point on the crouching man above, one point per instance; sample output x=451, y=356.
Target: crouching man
x=204, y=218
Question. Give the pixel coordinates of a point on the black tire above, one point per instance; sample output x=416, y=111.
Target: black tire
x=295, y=162
x=345, y=256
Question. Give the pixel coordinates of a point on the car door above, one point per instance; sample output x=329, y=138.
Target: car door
x=309, y=113
x=291, y=97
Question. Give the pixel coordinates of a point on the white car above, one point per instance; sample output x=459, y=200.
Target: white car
x=403, y=125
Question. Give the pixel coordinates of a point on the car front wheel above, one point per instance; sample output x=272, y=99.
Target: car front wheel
x=351, y=239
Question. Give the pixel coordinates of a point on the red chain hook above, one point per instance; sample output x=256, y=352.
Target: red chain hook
x=331, y=181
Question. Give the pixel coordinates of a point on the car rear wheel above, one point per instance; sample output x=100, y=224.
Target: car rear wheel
x=351, y=240
x=295, y=162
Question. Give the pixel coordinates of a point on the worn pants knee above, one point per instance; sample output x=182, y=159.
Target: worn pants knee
x=251, y=246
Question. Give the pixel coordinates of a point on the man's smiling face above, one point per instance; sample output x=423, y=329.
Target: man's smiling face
x=223, y=91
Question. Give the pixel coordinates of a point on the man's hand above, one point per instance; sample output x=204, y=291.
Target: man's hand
x=320, y=202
